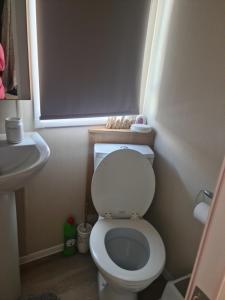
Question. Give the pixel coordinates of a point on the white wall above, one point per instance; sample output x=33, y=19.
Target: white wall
x=7, y=109
x=57, y=191
x=186, y=105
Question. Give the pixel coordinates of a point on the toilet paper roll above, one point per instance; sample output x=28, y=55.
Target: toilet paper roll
x=201, y=212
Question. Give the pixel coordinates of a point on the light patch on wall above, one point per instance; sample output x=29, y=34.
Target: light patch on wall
x=33, y=54
x=170, y=143
x=163, y=17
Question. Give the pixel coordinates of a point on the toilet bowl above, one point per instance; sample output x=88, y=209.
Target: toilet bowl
x=127, y=250
x=128, y=253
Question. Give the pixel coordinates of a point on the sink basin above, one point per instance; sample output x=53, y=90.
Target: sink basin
x=19, y=162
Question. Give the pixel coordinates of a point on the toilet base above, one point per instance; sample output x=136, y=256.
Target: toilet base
x=106, y=292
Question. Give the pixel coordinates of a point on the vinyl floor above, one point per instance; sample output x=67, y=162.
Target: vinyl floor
x=71, y=278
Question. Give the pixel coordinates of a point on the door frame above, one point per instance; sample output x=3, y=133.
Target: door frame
x=219, y=197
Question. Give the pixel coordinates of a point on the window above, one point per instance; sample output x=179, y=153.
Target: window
x=86, y=59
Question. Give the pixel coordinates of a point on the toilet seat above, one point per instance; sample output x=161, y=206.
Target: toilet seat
x=134, y=279
x=123, y=184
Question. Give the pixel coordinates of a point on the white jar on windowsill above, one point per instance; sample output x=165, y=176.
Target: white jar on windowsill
x=14, y=130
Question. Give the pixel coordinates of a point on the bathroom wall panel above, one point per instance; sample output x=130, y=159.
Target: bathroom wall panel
x=185, y=103
x=56, y=192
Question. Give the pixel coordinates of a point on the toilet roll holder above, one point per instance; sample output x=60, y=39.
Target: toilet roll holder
x=205, y=196
x=202, y=205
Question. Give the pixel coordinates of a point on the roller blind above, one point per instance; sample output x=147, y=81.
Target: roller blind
x=90, y=56
x=22, y=50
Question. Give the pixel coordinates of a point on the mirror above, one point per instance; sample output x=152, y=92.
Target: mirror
x=14, y=65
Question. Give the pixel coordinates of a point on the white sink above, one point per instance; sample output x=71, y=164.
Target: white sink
x=18, y=163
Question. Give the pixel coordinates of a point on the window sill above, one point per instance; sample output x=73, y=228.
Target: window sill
x=70, y=122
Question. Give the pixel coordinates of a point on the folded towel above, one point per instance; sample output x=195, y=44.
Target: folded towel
x=2, y=90
x=2, y=68
x=2, y=59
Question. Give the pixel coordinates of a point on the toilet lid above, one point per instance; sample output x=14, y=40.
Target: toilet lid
x=123, y=184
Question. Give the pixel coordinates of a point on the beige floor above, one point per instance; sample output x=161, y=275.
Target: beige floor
x=72, y=278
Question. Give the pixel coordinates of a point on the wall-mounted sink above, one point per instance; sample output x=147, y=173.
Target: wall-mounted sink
x=18, y=163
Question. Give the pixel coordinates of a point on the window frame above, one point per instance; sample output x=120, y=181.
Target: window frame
x=34, y=72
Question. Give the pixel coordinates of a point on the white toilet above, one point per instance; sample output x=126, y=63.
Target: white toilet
x=127, y=250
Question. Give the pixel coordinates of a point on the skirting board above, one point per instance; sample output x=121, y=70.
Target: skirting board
x=40, y=254
x=59, y=248
x=167, y=275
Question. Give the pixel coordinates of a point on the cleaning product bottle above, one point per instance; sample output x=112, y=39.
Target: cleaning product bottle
x=70, y=236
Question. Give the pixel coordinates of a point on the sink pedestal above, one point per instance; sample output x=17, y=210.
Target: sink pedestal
x=18, y=163
x=9, y=253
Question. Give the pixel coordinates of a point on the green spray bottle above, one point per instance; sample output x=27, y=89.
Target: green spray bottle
x=70, y=237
